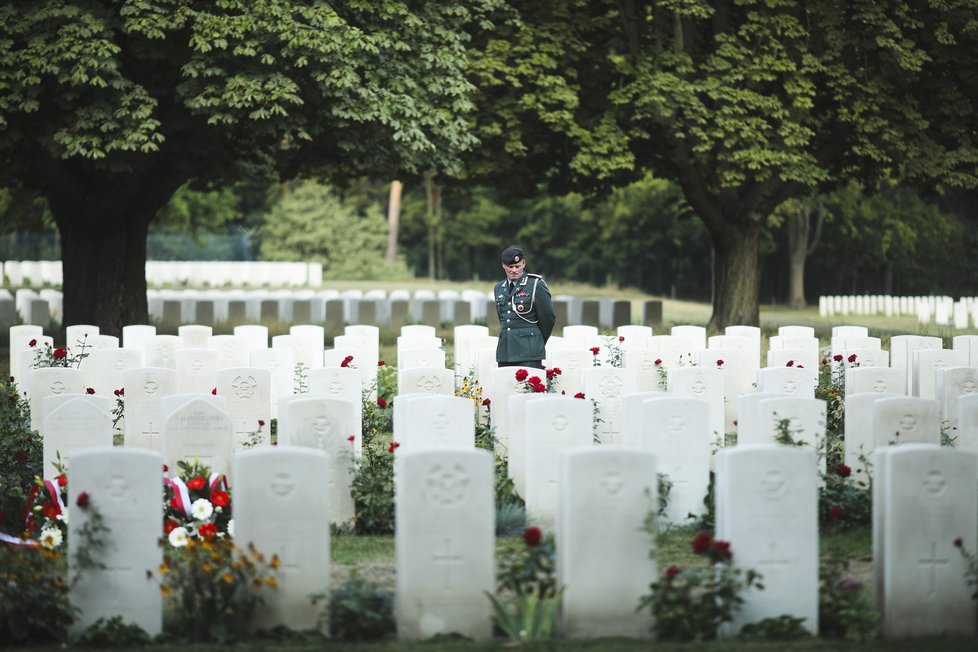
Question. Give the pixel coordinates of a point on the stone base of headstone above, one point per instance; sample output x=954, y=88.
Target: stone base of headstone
x=621, y=313
x=237, y=311
x=399, y=313
x=367, y=313
x=269, y=310
x=463, y=313
x=172, y=315
x=302, y=312
x=431, y=313
x=8, y=318
x=334, y=316
x=492, y=317
x=561, y=314
x=205, y=313
x=591, y=312
x=652, y=313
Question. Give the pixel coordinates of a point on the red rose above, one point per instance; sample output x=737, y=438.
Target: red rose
x=539, y=388
x=672, y=571
x=825, y=361
x=790, y=363
x=174, y=503
x=521, y=375
x=196, y=483
x=801, y=366
x=62, y=480
x=394, y=445
x=381, y=403
x=346, y=361
x=207, y=531
x=60, y=354
x=261, y=423
x=165, y=468
x=486, y=402
x=701, y=542
x=220, y=498
x=119, y=392
x=351, y=438
x=32, y=343
x=721, y=550
x=550, y=374
x=719, y=363
x=533, y=380
x=50, y=509
x=169, y=525
x=843, y=471
x=837, y=357
x=836, y=512
x=214, y=391
x=579, y=395
x=595, y=350
x=621, y=338
x=532, y=536
x=852, y=357
x=380, y=363
x=658, y=361
x=959, y=543
x=89, y=390
x=83, y=500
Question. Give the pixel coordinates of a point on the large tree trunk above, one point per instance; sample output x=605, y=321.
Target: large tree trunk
x=801, y=244
x=736, y=275
x=104, y=265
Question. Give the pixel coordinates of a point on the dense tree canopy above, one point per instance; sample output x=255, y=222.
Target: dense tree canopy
x=108, y=107
x=744, y=105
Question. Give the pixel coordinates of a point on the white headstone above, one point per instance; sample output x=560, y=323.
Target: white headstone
x=414, y=358
x=435, y=421
x=52, y=381
x=144, y=389
x=324, y=424
x=124, y=486
x=77, y=422
x=137, y=336
x=923, y=500
x=926, y=362
x=552, y=425
x=232, y=351
x=254, y=336
x=767, y=509
x=196, y=370
x=280, y=363
x=20, y=335
x=603, y=559
x=160, y=351
x=195, y=336
x=792, y=381
x=633, y=415
x=677, y=430
x=341, y=383
x=197, y=429
x=605, y=386
x=696, y=335
x=249, y=401
x=705, y=383
x=881, y=380
x=444, y=543
x=109, y=366
x=281, y=505
x=909, y=420
x=426, y=380
x=571, y=363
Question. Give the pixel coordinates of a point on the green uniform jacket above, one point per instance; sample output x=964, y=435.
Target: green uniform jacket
x=526, y=319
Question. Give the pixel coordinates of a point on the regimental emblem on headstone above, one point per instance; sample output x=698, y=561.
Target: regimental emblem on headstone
x=573, y=365
x=908, y=422
x=429, y=383
x=57, y=387
x=335, y=387
x=698, y=387
x=789, y=387
x=647, y=364
x=197, y=364
x=273, y=363
x=774, y=484
x=935, y=484
x=560, y=422
x=323, y=427
x=282, y=485
x=447, y=485
x=116, y=487
x=612, y=482
x=610, y=386
x=150, y=387
x=880, y=386
x=938, y=364
x=676, y=422
x=969, y=386
x=244, y=387
x=119, y=364
x=165, y=351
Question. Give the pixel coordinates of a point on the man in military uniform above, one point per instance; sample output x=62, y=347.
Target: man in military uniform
x=526, y=313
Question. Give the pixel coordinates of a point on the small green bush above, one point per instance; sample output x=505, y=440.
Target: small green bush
x=34, y=606
x=361, y=611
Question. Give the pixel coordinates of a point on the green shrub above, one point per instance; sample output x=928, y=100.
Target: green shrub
x=20, y=458
x=361, y=611
x=113, y=632
x=373, y=478
x=34, y=606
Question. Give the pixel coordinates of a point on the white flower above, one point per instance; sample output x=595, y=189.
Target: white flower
x=202, y=509
x=178, y=537
x=63, y=516
x=231, y=528
x=51, y=537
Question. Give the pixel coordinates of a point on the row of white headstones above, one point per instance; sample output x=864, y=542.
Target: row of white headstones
x=676, y=429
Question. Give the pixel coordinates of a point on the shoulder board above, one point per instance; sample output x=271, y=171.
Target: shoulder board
x=535, y=276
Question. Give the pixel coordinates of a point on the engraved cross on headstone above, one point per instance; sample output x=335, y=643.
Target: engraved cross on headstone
x=445, y=559
x=933, y=562
x=773, y=560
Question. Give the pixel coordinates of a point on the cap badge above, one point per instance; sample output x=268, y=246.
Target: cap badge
x=520, y=307
x=516, y=258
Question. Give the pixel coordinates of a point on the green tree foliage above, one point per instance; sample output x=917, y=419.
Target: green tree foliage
x=312, y=223
x=744, y=105
x=108, y=107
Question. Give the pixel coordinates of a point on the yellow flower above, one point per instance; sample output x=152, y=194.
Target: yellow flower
x=276, y=562
x=271, y=581
x=256, y=584
x=163, y=569
x=228, y=577
x=164, y=589
x=206, y=567
x=216, y=556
